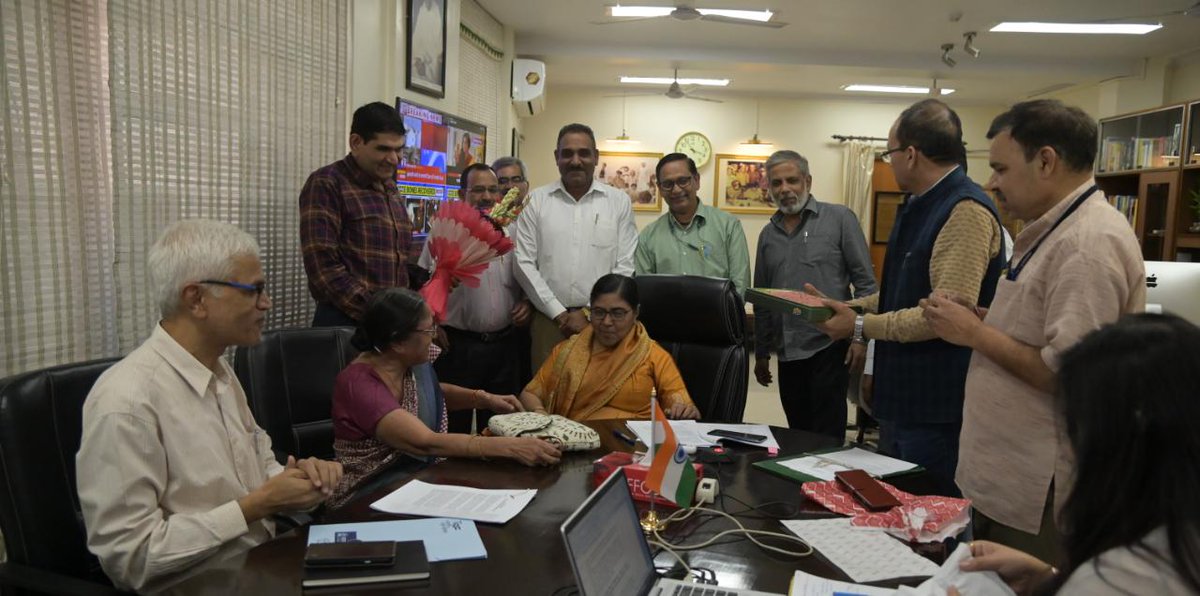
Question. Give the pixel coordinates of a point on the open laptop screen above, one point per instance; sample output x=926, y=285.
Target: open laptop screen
x=605, y=543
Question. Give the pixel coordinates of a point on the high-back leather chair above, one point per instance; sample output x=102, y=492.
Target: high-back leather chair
x=701, y=321
x=41, y=425
x=288, y=379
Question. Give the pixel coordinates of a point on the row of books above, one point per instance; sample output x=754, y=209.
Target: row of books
x=1126, y=204
x=1125, y=153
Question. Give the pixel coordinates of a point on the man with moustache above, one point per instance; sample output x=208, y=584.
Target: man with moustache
x=946, y=238
x=354, y=227
x=691, y=238
x=510, y=173
x=1076, y=267
x=573, y=231
x=482, y=323
x=821, y=245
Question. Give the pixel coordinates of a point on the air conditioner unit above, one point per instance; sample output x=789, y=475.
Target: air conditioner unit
x=528, y=86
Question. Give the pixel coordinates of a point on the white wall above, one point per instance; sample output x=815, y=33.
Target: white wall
x=805, y=126
x=1184, y=79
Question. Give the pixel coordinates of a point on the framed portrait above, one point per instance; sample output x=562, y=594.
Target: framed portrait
x=741, y=185
x=426, y=72
x=633, y=174
x=883, y=218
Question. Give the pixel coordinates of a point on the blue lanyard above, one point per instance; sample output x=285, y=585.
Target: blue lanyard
x=1013, y=272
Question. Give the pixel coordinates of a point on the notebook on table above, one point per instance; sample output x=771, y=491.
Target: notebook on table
x=609, y=555
x=410, y=564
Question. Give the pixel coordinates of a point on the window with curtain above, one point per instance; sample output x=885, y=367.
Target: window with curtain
x=56, y=226
x=122, y=116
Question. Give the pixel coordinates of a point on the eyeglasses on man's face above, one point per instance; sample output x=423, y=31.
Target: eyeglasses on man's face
x=511, y=179
x=617, y=314
x=257, y=288
x=681, y=182
x=886, y=156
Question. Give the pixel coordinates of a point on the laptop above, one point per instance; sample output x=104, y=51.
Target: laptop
x=609, y=555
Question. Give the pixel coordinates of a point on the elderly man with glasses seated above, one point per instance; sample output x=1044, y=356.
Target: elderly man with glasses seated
x=610, y=369
x=172, y=469
x=691, y=238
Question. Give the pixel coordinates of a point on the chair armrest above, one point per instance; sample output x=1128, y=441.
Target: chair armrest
x=48, y=582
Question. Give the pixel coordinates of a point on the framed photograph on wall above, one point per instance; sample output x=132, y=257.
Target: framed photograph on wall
x=884, y=216
x=426, y=71
x=741, y=184
x=632, y=173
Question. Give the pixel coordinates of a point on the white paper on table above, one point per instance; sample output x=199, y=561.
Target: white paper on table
x=687, y=432
x=815, y=466
x=754, y=429
x=439, y=500
x=872, y=463
x=864, y=555
x=975, y=583
x=445, y=539
x=807, y=584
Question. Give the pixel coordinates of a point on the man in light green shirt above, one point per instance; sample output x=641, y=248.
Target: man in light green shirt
x=691, y=238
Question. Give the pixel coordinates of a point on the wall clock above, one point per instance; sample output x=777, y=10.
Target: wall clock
x=696, y=146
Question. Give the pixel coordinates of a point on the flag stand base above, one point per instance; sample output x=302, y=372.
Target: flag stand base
x=652, y=523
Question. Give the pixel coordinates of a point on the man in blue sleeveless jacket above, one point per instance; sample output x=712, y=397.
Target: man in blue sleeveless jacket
x=947, y=238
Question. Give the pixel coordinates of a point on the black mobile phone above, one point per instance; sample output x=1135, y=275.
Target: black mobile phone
x=730, y=434
x=351, y=554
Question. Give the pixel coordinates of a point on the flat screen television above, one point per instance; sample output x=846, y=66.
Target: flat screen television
x=437, y=148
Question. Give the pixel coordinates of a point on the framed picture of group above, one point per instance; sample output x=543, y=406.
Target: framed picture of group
x=633, y=174
x=741, y=184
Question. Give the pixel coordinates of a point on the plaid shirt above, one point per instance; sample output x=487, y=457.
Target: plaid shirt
x=355, y=235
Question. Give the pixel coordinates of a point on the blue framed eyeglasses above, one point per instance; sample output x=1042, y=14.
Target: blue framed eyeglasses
x=257, y=288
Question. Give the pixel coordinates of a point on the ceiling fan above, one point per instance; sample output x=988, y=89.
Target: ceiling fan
x=1191, y=11
x=629, y=14
x=674, y=91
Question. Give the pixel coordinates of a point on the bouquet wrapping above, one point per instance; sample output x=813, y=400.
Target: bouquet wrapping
x=462, y=242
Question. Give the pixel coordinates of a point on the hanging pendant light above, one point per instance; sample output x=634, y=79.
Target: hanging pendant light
x=623, y=138
x=756, y=145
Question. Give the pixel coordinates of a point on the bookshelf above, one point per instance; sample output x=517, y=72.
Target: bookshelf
x=1148, y=164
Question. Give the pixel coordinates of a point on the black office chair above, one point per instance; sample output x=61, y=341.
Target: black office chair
x=288, y=379
x=41, y=424
x=701, y=321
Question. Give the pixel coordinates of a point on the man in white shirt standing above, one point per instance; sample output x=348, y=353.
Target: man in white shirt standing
x=172, y=469
x=574, y=230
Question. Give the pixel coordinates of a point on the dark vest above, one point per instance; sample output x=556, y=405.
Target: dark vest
x=923, y=381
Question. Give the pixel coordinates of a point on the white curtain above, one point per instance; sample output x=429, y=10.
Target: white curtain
x=858, y=162
x=121, y=116
x=56, y=220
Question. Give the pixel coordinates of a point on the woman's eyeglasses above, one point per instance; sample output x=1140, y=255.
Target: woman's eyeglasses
x=617, y=314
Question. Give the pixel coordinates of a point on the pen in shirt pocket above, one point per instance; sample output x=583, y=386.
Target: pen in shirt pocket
x=596, y=220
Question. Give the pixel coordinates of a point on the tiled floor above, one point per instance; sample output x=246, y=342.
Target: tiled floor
x=762, y=406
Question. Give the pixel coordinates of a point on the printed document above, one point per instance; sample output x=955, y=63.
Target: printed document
x=439, y=500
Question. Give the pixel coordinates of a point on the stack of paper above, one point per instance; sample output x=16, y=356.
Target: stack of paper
x=823, y=465
x=437, y=500
x=695, y=434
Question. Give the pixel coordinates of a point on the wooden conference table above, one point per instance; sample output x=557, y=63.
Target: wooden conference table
x=527, y=556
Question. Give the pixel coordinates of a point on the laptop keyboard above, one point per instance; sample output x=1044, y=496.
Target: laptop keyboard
x=700, y=591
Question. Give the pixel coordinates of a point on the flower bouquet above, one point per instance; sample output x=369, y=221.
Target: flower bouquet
x=507, y=210
x=462, y=243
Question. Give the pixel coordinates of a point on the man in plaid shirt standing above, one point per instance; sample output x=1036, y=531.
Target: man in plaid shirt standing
x=354, y=229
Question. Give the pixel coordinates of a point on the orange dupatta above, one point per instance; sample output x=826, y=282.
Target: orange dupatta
x=571, y=366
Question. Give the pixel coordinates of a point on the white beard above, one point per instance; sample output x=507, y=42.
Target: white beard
x=794, y=207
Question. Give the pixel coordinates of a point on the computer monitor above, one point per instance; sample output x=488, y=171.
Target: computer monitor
x=605, y=544
x=1173, y=287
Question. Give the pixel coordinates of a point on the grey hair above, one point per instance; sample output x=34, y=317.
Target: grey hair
x=787, y=156
x=191, y=250
x=507, y=161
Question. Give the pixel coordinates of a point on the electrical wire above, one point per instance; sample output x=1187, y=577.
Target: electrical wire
x=684, y=514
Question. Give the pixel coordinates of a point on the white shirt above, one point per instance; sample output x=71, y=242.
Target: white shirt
x=168, y=447
x=564, y=245
x=487, y=308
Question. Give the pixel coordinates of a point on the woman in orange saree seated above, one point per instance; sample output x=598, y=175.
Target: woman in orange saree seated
x=608, y=369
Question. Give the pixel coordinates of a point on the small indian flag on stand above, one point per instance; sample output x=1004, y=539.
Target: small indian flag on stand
x=671, y=474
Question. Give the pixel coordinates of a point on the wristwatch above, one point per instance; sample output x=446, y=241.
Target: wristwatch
x=858, y=331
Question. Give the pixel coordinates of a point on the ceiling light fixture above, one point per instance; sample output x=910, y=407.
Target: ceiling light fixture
x=622, y=139
x=755, y=145
x=946, y=59
x=969, y=44
x=644, y=12
x=893, y=89
x=668, y=81
x=1080, y=28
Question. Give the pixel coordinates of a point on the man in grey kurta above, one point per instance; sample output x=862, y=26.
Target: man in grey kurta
x=808, y=241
